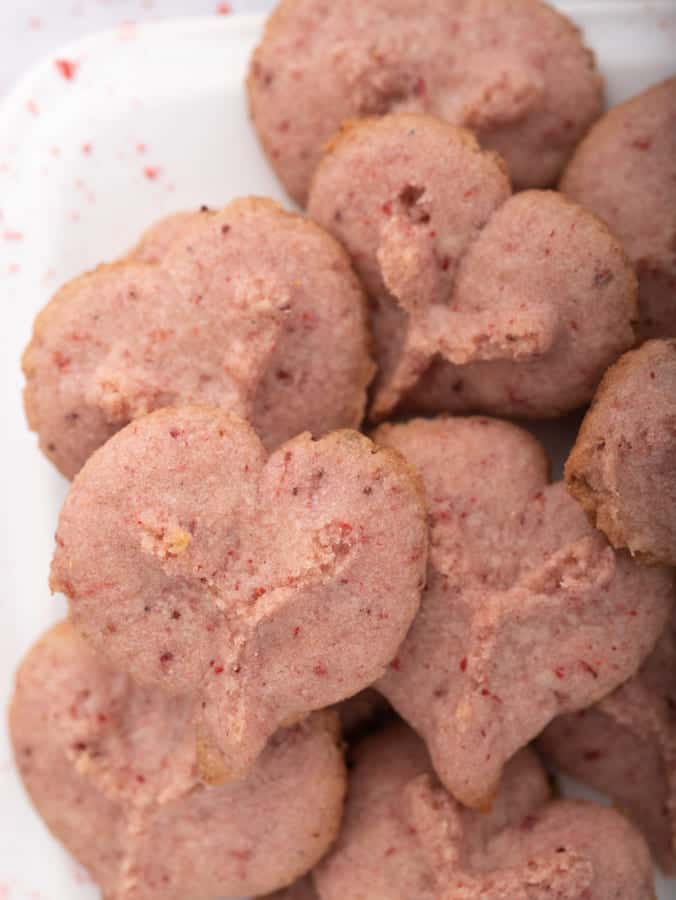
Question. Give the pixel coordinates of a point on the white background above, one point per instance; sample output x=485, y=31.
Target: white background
x=32, y=29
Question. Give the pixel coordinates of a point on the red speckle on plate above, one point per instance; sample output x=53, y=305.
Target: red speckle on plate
x=223, y=9
x=55, y=151
x=14, y=268
x=152, y=173
x=87, y=149
x=141, y=148
x=13, y=235
x=33, y=108
x=35, y=23
x=74, y=216
x=66, y=68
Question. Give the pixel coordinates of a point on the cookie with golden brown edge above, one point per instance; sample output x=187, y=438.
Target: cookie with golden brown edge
x=625, y=172
x=111, y=768
x=404, y=836
x=622, y=468
x=625, y=746
x=523, y=81
x=528, y=612
x=480, y=300
x=266, y=586
x=250, y=308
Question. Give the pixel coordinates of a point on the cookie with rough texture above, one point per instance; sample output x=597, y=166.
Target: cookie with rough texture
x=480, y=300
x=404, y=836
x=622, y=468
x=111, y=768
x=625, y=172
x=268, y=586
x=523, y=81
x=528, y=612
x=250, y=308
x=626, y=747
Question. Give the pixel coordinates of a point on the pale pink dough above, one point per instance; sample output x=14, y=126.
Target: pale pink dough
x=528, y=612
x=267, y=586
x=480, y=300
x=111, y=768
x=622, y=468
x=405, y=837
x=249, y=308
x=625, y=172
x=626, y=747
x=522, y=80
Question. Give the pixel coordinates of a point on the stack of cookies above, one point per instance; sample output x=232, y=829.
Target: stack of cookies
x=328, y=614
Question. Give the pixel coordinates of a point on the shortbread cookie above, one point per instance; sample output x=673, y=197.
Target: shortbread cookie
x=266, y=586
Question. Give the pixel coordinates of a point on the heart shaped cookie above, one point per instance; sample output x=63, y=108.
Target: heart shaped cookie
x=528, y=612
x=513, y=305
x=404, y=836
x=268, y=587
x=625, y=746
x=111, y=768
x=523, y=81
x=250, y=308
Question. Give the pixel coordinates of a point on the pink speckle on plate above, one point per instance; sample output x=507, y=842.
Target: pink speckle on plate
x=66, y=68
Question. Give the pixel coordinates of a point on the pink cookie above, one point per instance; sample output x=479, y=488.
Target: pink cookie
x=625, y=172
x=249, y=308
x=622, y=468
x=522, y=80
x=626, y=747
x=514, y=305
x=528, y=612
x=267, y=586
x=111, y=768
x=405, y=837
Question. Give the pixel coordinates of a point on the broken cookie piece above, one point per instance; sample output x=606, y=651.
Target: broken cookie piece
x=622, y=468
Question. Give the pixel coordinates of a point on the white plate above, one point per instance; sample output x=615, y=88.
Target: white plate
x=153, y=121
